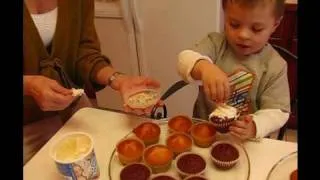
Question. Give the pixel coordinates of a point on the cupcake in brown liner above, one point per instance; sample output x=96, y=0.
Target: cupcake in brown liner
x=196, y=177
x=203, y=134
x=130, y=150
x=179, y=142
x=223, y=116
x=158, y=157
x=180, y=123
x=136, y=171
x=190, y=163
x=224, y=154
x=148, y=132
x=163, y=176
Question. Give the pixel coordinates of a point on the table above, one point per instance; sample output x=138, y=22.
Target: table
x=107, y=128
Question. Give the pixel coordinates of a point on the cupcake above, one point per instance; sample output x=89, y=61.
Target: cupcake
x=148, y=132
x=224, y=154
x=223, y=116
x=130, y=150
x=294, y=175
x=196, y=177
x=180, y=124
x=163, y=176
x=203, y=134
x=136, y=171
x=158, y=157
x=189, y=163
x=179, y=142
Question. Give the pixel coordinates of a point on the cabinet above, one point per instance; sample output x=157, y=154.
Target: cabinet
x=286, y=33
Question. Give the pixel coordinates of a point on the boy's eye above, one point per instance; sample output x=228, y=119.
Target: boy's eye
x=234, y=25
x=256, y=30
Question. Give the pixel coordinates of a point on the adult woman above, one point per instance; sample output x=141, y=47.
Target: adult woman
x=61, y=51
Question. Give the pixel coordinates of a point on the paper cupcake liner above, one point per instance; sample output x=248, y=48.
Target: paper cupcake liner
x=195, y=176
x=164, y=174
x=151, y=141
x=224, y=164
x=185, y=174
x=203, y=144
x=159, y=168
x=222, y=124
x=149, y=169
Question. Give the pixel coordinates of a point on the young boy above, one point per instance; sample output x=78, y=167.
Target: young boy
x=240, y=67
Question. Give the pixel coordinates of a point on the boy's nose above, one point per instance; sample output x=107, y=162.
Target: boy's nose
x=244, y=34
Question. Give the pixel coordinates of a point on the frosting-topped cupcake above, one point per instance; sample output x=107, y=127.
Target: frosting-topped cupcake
x=223, y=116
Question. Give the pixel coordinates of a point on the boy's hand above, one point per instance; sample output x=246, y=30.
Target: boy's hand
x=215, y=81
x=244, y=128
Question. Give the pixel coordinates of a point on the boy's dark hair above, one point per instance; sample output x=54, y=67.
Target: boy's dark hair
x=279, y=5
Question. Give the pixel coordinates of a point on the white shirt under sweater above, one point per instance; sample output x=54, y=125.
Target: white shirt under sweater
x=46, y=25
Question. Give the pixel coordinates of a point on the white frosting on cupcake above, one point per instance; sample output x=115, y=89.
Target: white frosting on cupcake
x=223, y=111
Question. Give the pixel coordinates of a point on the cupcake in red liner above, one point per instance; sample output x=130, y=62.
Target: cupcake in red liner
x=136, y=171
x=196, y=177
x=163, y=176
x=223, y=116
x=224, y=154
x=190, y=163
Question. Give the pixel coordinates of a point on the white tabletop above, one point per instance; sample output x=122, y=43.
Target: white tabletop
x=107, y=128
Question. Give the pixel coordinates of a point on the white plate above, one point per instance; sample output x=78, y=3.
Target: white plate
x=284, y=167
x=239, y=172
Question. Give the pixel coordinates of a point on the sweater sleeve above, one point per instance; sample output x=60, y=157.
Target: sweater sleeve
x=205, y=49
x=90, y=60
x=269, y=120
x=274, y=99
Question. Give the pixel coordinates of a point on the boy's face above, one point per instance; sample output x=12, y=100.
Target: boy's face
x=248, y=29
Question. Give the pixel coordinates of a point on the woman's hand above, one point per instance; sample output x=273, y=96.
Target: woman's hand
x=129, y=84
x=49, y=95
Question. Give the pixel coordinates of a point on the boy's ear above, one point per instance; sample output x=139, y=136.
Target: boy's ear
x=277, y=23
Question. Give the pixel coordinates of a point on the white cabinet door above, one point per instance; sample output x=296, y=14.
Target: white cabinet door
x=117, y=44
x=163, y=29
